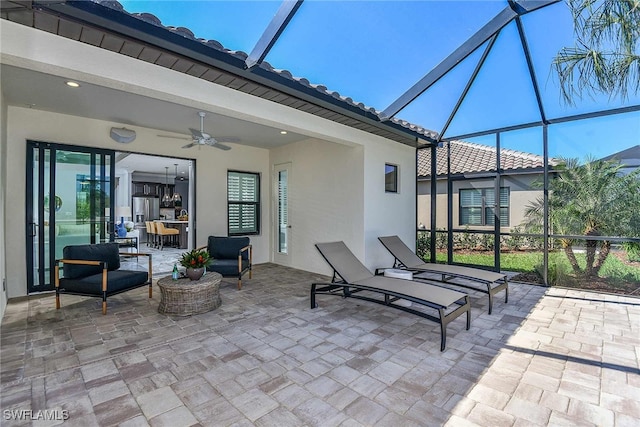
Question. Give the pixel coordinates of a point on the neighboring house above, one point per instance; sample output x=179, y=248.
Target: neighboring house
x=473, y=171
x=629, y=159
x=136, y=73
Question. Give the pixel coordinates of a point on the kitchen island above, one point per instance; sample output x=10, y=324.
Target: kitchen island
x=182, y=226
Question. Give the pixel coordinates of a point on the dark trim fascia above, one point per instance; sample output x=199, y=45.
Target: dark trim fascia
x=484, y=175
x=115, y=21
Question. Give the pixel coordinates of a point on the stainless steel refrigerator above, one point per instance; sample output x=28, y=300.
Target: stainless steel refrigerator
x=145, y=209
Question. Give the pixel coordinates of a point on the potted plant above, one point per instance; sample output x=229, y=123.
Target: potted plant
x=195, y=261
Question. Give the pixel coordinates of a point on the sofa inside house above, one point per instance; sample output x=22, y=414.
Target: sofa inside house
x=68, y=234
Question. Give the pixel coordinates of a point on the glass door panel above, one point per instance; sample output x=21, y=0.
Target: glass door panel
x=70, y=205
x=282, y=227
x=283, y=211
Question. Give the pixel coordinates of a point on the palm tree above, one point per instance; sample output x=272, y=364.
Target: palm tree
x=605, y=58
x=592, y=199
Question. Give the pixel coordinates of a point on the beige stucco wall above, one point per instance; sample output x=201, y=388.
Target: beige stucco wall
x=521, y=193
x=326, y=201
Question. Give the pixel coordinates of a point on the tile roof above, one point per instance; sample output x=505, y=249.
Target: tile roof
x=467, y=157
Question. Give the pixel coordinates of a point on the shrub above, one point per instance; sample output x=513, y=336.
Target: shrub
x=633, y=251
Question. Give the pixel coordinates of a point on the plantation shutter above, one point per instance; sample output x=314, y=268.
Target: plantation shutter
x=474, y=201
x=243, y=202
x=471, y=207
x=504, y=206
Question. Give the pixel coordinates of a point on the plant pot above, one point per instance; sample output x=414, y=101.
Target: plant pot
x=195, y=273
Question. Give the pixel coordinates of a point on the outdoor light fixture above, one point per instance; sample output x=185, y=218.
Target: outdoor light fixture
x=283, y=132
x=122, y=135
x=177, y=199
x=72, y=84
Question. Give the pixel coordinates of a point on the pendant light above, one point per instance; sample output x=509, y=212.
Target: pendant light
x=166, y=199
x=177, y=198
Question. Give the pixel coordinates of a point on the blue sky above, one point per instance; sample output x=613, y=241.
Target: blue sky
x=373, y=51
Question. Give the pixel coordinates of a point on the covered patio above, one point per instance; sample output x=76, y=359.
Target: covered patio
x=550, y=356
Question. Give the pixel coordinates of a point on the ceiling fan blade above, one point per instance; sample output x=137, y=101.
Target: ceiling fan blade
x=175, y=137
x=228, y=139
x=189, y=145
x=196, y=133
x=221, y=146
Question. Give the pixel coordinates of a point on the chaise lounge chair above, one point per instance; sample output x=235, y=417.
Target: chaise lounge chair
x=351, y=277
x=406, y=259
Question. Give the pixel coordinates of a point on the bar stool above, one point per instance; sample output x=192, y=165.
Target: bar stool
x=151, y=233
x=162, y=232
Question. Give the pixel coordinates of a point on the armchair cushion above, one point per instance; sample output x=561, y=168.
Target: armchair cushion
x=221, y=248
x=117, y=281
x=106, y=252
x=227, y=267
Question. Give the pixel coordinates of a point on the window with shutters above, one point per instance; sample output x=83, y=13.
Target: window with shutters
x=477, y=206
x=243, y=203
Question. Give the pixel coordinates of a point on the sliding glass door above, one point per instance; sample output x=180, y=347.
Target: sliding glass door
x=70, y=204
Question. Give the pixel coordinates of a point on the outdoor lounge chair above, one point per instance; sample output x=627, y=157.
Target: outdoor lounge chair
x=405, y=258
x=351, y=277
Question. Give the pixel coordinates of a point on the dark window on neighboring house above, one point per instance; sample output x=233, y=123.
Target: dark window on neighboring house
x=243, y=203
x=477, y=206
x=390, y=178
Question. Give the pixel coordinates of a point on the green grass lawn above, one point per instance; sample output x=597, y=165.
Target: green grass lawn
x=613, y=269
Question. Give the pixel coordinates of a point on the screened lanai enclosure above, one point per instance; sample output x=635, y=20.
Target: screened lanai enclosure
x=517, y=169
x=511, y=175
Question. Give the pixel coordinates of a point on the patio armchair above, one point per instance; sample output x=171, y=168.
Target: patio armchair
x=232, y=256
x=94, y=271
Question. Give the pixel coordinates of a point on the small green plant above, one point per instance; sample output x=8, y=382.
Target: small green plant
x=195, y=259
x=515, y=241
x=423, y=245
x=486, y=242
x=558, y=274
x=633, y=251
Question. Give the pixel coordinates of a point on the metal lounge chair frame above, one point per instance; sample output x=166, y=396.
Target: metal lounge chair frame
x=350, y=277
x=406, y=259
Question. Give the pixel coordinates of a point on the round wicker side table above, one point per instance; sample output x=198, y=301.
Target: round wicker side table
x=184, y=297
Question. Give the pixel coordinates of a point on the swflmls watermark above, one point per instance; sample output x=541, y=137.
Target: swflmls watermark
x=31, y=415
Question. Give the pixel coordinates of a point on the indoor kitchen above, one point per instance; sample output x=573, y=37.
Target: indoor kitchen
x=153, y=198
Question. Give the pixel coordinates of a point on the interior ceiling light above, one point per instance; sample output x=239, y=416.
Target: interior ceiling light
x=177, y=199
x=166, y=199
x=72, y=84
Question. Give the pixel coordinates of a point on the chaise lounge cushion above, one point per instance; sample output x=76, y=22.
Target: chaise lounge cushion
x=106, y=252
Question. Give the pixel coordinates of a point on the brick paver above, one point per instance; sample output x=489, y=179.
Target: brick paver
x=548, y=357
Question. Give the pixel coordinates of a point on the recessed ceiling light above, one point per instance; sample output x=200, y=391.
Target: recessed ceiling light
x=283, y=132
x=72, y=84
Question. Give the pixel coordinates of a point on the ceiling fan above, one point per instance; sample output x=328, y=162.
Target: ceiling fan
x=200, y=137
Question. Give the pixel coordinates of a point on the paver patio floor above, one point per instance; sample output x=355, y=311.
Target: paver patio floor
x=548, y=357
